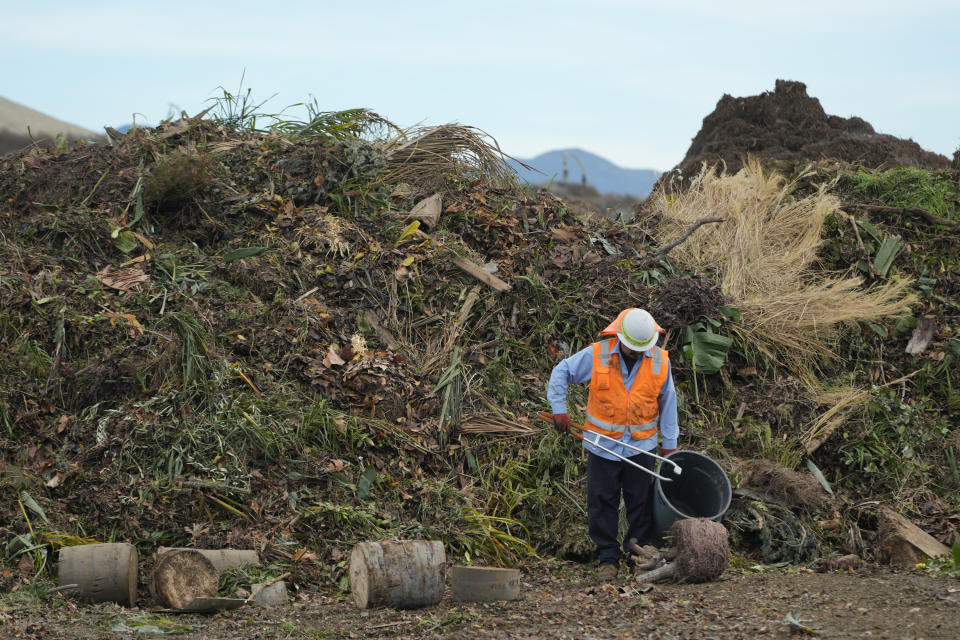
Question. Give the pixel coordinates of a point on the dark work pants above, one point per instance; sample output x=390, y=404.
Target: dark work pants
x=605, y=480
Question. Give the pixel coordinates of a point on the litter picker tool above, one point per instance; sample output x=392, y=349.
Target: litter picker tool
x=676, y=468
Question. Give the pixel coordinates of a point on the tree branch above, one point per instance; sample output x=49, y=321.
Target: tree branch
x=686, y=234
x=916, y=211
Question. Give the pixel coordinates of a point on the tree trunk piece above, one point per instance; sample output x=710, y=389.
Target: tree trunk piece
x=405, y=575
x=104, y=572
x=180, y=577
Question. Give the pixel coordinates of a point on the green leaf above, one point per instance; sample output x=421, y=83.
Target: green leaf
x=869, y=228
x=246, y=252
x=904, y=325
x=707, y=351
x=31, y=504
x=878, y=329
x=731, y=313
x=411, y=229
x=125, y=241
x=815, y=470
x=22, y=543
x=365, y=482
x=885, y=255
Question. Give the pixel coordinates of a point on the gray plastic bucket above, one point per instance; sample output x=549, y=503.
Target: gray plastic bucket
x=701, y=491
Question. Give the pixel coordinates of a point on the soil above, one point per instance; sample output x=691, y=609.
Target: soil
x=563, y=601
x=788, y=125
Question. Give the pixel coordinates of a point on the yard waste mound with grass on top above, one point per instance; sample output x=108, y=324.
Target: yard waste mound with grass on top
x=788, y=125
x=216, y=337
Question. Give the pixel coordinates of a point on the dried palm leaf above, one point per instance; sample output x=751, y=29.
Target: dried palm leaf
x=495, y=425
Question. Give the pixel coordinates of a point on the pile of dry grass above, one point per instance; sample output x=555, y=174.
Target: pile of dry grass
x=764, y=254
x=429, y=156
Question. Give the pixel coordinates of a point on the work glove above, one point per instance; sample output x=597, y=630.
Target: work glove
x=666, y=452
x=561, y=422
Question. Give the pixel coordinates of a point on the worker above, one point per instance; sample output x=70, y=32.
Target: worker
x=633, y=400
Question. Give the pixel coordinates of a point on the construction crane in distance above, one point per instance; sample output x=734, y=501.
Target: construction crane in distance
x=566, y=171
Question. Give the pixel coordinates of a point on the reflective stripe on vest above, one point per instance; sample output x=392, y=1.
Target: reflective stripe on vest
x=619, y=428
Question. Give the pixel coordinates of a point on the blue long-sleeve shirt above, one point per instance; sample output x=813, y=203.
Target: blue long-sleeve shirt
x=578, y=369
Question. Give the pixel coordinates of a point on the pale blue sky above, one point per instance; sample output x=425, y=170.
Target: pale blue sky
x=628, y=80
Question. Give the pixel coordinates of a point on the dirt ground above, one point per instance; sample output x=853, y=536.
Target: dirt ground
x=558, y=601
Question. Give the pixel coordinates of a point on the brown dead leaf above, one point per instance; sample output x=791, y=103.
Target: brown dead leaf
x=333, y=358
x=565, y=234
x=26, y=563
x=123, y=279
x=63, y=423
x=302, y=555
x=335, y=465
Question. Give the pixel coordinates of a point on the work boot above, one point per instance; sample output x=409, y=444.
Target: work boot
x=607, y=572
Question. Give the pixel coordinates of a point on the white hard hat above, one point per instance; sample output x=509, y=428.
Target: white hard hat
x=638, y=331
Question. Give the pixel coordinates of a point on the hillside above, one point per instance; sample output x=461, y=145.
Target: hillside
x=603, y=175
x=18, y=123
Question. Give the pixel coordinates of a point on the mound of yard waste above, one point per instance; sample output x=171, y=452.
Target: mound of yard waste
x=298, y=339
x=788, y=125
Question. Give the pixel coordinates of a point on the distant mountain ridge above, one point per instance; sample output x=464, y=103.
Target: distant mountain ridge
x=21, y=126
x=602, y=174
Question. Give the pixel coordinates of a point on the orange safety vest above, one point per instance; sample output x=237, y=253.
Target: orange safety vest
x=611, y=408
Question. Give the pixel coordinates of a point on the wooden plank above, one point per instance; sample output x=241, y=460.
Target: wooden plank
x=904, y=543
x=478, y=272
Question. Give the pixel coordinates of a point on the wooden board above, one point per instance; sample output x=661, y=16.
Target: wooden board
x=903, y=543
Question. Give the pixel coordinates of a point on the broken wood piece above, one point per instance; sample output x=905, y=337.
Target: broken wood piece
x=270, y=594
x=384, y=336
x=903, y=543
x=478, y=272
x=644, y=558
x=922, y=335
x=428, y=210
x=457, y=327
x=180, y=577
